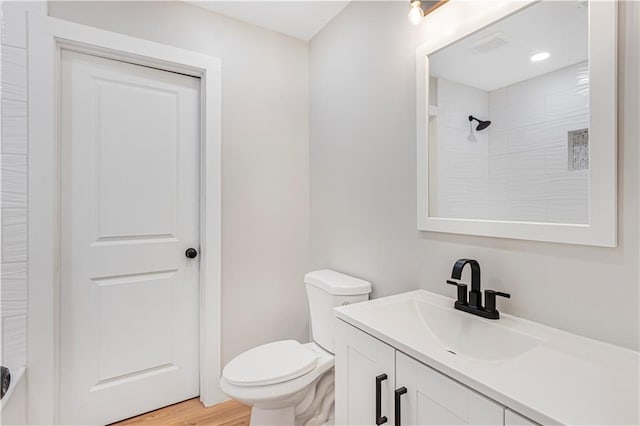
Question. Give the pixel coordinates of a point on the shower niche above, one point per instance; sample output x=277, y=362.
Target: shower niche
x=517, y=121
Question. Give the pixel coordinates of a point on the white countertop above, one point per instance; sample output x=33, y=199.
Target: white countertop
x=564, y=379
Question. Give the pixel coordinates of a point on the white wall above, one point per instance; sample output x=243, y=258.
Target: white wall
x=528, y=166
x=265, y=158
x=363, y=187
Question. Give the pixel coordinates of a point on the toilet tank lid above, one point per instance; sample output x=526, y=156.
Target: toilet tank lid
x=336, y=283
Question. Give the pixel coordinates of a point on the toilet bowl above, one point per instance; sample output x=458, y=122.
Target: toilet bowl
x=276, y=393
x=290, y=383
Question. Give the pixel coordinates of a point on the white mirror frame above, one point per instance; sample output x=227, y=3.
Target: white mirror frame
x=460, y=18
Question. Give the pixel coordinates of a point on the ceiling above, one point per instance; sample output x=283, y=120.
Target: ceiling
x=300, y=19
x=560, y=28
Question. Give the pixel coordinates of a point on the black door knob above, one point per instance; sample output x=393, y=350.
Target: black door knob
x=191, y=253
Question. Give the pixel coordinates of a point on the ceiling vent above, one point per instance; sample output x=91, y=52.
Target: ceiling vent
x=490, y=43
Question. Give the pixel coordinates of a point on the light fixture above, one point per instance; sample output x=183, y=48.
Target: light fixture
x=416, y=14
x=418, y=9
x=540, y=56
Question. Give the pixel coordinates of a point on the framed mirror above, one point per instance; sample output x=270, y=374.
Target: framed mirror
x=516, y=116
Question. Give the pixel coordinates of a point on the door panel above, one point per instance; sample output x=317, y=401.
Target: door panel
x=511, y=418
x=429, y=412
x=434, y=399
x=130, y=208
x=147, y=208
x=360, y=358
x=146, y=344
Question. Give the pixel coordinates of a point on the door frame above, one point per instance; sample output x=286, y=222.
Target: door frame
x=47, y=37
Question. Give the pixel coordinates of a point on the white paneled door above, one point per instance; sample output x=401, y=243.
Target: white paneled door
x=129, y=301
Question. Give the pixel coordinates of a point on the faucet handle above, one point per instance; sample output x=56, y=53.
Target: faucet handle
x=462, y=291
x=490, y=299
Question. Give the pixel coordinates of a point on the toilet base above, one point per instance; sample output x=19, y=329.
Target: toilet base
x=271, y=417
x=304, y=401
x=279, y=417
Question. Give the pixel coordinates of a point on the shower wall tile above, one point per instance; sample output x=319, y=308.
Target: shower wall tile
x=566, y=103
x=459, y=116
x=568, y=210
x=455, y=140
x=556, y=81
x=460, y=187
x=13, y=188
x=530, y=163
x=13, y=292
x=462, y=101
x=498, y=141
x=14, y=235
x=529, y=188
x=14, y=73
x=451, y=92
x=525, y=114
x=14, y=23
x=520, y=210
x=525, y=91
x=571, y=185
x=528, y=169
x=442, y=114
x=557, y=161
x=14, y=341
x=548, y=134
x=14, y=127
x=14, y=181
x=497, y=100
x=498, y=189
x=465, y=197
x=14, y=20
x=464, y=165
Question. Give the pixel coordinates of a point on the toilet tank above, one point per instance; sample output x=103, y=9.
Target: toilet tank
x=327, y=289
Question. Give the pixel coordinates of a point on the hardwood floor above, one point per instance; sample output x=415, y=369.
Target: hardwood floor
x=193, y=413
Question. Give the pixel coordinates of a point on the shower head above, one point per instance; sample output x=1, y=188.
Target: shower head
x=481, y=124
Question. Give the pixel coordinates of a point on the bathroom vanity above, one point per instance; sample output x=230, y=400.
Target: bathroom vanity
x=413, y=359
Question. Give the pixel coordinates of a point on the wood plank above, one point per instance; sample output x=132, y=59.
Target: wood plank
x=193, y=413
x=435, y=6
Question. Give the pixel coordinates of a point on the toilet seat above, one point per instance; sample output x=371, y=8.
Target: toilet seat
x=270, y=364
x=284, y=394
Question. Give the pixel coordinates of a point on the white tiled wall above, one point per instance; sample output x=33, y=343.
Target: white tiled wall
x=528, y=166
x=13, y=287
x=518, y=169
x=461, y=166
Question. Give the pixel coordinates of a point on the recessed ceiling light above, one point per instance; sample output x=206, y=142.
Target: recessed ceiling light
x=540, y=56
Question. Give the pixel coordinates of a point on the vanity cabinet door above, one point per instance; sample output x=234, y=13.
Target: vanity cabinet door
x=511, y=418
x=434, y=399
x=360, y=359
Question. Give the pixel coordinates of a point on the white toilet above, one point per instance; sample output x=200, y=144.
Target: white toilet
x=289, y=383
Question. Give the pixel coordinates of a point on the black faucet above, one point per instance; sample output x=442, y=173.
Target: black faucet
x=474, y=303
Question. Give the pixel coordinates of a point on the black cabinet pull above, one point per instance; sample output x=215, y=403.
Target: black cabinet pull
x=399, y=392
x=380, y=419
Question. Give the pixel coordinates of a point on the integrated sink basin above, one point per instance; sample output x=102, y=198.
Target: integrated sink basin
x=433, y=322
x=472, y=336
